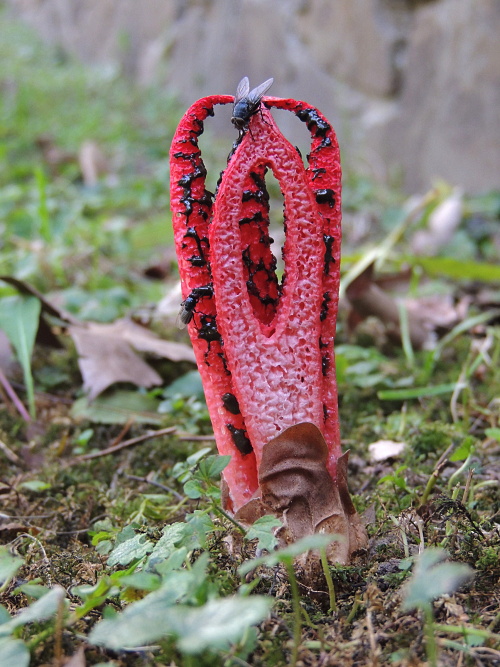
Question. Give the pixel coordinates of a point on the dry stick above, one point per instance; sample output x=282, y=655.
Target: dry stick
x=126, y=443
x=126, y=428
x=157, y=484
x=14, y=397
x=13, y=458
x=371, y=637
x=467, y=486
x=195, y=438
x=58, y=631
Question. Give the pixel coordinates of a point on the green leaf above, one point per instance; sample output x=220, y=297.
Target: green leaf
x=417, y=392
x=493, y=433
x=142, y=581
x=193, y=489
x=212, y=626
x=433, y=578
x=212, y=466
x=9, y=565
x=201, y=525
x=455, y=268
x=263, y=530
x=133, y=549
x=465, y=449
x=41, y=610
x=148, y=620
x=174, y=535
x=188, y=384
x=14, y=652
x=19, y=319
x=35, y=485
x=32, y=590
x=217, y=624
x=117, y=407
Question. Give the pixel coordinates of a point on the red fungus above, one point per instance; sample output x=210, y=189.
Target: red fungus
x=264, y=348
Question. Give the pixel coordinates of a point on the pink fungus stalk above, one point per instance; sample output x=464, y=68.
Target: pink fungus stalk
x=264, y=347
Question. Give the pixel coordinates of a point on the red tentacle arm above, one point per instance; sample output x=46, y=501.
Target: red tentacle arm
x=276, y=367
x=192, y=212
x=324, y=176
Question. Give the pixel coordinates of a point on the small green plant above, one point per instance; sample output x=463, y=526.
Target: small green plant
x=432, y=578
x=286, y=557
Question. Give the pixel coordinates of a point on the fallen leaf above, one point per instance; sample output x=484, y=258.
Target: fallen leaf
x=106, y=354
x=118, y=407
x=296, y=487
x=108, y=351
x=385, y=449
x=367, y=299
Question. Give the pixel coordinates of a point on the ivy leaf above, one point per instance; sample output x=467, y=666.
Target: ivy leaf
x=212, y=626
x=218, y=623
x=148, y=620
x=41, y=610
x=433, y=578
x=263, y=529
x=133, y=549
x=14, y=652
x=173, y=535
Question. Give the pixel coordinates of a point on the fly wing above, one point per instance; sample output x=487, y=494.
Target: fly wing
x=255, y=95
x=242, y=90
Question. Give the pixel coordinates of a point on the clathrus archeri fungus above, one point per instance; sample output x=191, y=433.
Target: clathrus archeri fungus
x=264, y=347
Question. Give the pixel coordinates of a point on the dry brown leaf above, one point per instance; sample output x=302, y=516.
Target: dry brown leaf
x=368, y=299
x=296, y=487
x=106, y=351
x=106, y=354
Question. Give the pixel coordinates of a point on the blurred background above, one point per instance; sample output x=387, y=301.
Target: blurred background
x=91, y=94
x=411, y=86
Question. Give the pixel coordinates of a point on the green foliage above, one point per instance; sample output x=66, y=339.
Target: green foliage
x=263, y=530
x=19, y=317
x=433, y=578
x=9, y=565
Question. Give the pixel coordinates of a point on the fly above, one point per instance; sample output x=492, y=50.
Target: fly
x=188, y=306
x=247, y=102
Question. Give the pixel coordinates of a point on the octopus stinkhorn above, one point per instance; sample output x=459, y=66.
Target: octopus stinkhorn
x=264, y=346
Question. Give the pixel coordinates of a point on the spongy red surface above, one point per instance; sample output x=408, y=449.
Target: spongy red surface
x=277, y=379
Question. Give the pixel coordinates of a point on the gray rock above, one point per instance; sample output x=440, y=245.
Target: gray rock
x=411, y=86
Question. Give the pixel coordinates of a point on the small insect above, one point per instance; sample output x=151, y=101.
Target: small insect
x=188, y=306
x=247, y=102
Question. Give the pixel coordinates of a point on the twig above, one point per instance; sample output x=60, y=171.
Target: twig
x=126, y=428
x=13, y=458
x=14, y=397
x=467, y=486
x=201, y=438
x=126, y=443
x=371, y=637
x=157, y=484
